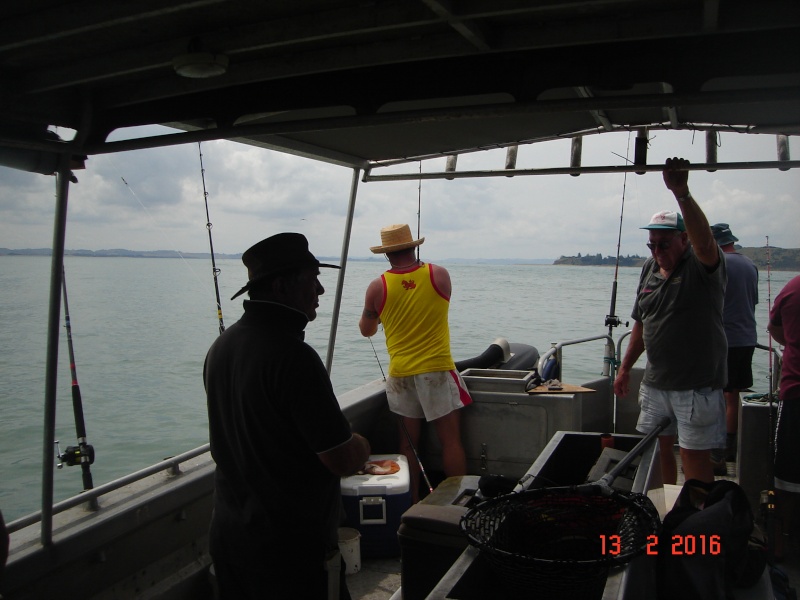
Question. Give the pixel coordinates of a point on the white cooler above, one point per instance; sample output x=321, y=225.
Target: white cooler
x=374, y=504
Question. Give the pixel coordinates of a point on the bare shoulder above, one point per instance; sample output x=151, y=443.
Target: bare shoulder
x=375, y=286
x=439, y=272
x=441, y=279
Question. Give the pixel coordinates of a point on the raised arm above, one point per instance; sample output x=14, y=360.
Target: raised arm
x=676, y=178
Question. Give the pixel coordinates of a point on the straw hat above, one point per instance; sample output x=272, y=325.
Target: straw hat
x=395, y=238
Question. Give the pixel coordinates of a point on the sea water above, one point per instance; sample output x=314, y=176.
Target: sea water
x=141, y=328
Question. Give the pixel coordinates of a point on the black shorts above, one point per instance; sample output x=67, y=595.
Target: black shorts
x=740, y=368
x=787, y=446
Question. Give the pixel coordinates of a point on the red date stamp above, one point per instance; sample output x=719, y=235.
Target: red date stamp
x=680, y=545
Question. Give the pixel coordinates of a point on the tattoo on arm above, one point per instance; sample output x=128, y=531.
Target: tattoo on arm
x=370, y=313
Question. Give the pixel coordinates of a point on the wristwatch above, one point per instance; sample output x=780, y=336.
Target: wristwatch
x=685, y=197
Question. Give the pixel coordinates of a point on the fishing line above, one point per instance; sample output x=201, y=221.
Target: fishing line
x=376, y=358
x=214, y=270
x=153, y=220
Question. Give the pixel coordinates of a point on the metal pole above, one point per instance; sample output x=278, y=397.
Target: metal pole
x=53, y=327
x=732, y=166
x=337, y=302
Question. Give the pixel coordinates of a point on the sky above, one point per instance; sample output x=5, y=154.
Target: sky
x=154, y=200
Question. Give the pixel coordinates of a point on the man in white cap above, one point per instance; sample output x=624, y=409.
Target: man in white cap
x=412, y=300
x=678, y=322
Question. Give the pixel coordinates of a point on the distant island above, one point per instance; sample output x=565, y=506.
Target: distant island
x=597, y=260
x=778, y=259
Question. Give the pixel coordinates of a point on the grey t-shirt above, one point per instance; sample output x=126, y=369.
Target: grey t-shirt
x=681, y=318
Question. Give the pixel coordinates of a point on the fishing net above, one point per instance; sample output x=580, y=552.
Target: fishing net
x=560, y=541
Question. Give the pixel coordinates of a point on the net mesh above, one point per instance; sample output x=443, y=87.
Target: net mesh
x=560, y=539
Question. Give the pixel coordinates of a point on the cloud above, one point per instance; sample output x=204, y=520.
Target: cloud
x=154, y=199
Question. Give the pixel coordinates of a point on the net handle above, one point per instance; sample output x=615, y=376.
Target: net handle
x=644, y=443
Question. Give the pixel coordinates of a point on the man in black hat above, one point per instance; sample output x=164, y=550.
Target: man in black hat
x=278, y=436
x=739, y=319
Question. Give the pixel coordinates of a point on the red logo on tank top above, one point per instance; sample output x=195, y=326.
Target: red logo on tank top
x=409, y=285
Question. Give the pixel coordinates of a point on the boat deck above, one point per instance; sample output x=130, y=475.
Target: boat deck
x=379, y=579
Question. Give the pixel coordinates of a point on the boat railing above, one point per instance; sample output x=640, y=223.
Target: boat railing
x=775, y=365
x=171, y=464
x=554, y=353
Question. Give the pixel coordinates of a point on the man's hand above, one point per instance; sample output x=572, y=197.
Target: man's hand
x=622, y=382
x=676, y=177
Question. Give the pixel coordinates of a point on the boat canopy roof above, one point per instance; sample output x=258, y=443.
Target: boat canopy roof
x=362, y=83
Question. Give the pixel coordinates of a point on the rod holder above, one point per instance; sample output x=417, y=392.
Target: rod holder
x=450, y=165
x=640, y=150
x=575, y=153
x=783, y=150
x=711, y=149
x=511, y=158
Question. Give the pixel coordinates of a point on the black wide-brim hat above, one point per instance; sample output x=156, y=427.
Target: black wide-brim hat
x=279, y=253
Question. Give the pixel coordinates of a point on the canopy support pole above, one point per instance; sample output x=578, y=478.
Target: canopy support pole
x=53, y=330
x=337, y=302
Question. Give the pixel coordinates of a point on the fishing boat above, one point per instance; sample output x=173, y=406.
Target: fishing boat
x=372, y=87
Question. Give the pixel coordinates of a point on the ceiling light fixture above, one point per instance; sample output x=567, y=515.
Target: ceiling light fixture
x=200, y=65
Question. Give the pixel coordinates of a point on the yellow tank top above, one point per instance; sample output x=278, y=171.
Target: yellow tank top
x=414, y=317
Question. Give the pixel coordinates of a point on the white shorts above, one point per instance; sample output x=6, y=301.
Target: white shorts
x=427, y=396
x=698, y=416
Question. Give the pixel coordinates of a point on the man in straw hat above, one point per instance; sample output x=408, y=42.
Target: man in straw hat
x=412, y=300
x=739, y=319
x=278, y=437
x=678, y=321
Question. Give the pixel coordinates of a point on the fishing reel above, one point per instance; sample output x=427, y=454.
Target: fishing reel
x=614, y=321
x=74, y=455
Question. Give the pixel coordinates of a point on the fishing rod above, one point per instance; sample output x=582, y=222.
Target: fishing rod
x=419, y=206
x=83, y=453
x=403, y=425
x=612, y=320
x=769, y=346
x=214, y=270
x=768, y=503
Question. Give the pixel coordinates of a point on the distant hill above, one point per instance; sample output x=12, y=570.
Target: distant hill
x=118, y=252
x=779, y=259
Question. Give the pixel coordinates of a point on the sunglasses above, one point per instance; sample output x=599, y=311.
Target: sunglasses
x=660, y=245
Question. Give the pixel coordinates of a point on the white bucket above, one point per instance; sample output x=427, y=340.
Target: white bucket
x=350, y=547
